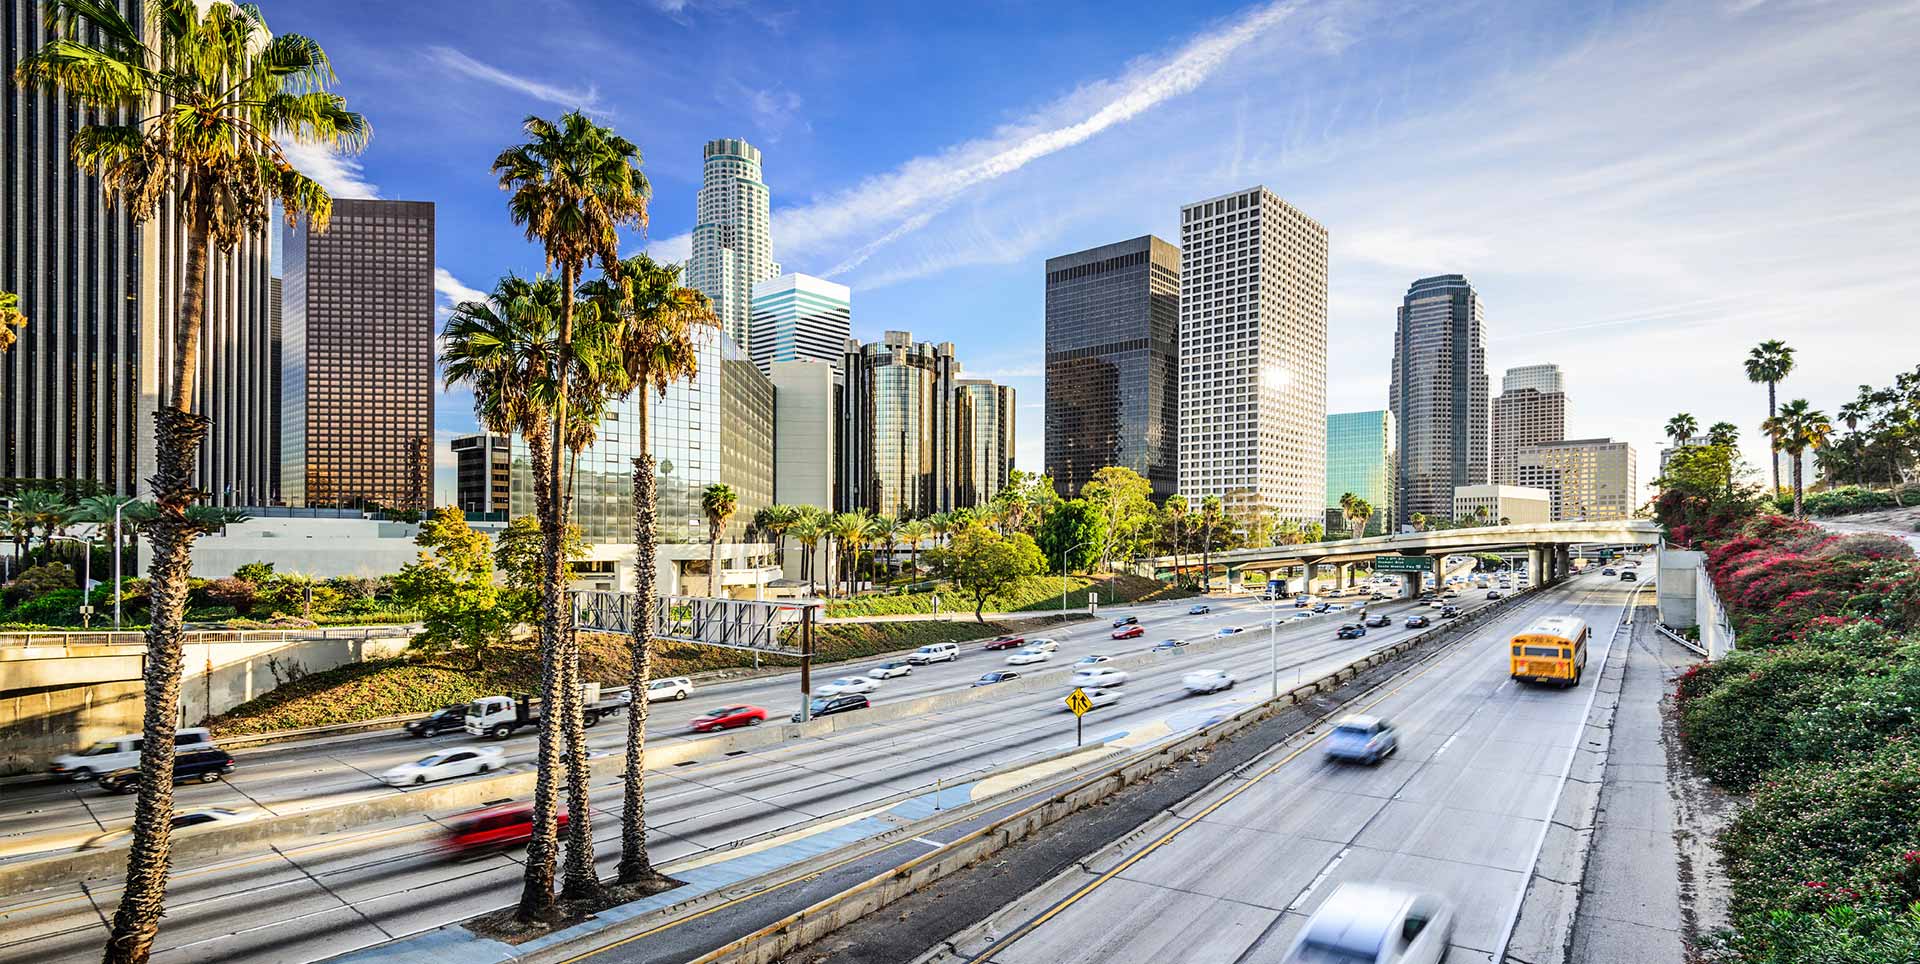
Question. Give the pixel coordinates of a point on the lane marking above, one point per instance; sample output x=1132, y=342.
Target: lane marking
x=1321, y=878
x=935, y=844
x=1455, y=736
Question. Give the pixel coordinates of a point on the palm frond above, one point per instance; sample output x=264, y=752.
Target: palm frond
x=100, y=77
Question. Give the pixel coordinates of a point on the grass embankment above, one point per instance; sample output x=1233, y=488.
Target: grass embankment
x=412, y=684
x=1031, y=594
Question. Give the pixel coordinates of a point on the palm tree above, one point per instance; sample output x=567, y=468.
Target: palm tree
x=1796, y=428
x=1359, y=515
x=1770, y=362
x=191, y=107
x=10, y=319
x=774, y=520
x=940, y=524
x=1210, y=517
x=807, y=531
x=718, y=502
x=849, y=529
x=1419, y=521
x=883, y=531
x=912, y=533
x=1176, y=509
x=573, y=185
x=1682, y=427
x=1723, y=433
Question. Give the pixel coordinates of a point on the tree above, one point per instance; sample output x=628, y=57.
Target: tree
x=1418, y=520
x=884, y=532
x=191, y=108
x=1793, y=430
x=11, y=320
x=1211, y=516
x=45, y=511
x=1770, y=362
x=1314, y=532
x=452, y=585
x=718, y=502
x=1176, y=510
x=981, y=562
x=912, y=533
x=258, y=573
x=774, y=520
x=1124, y=499
x=807, y=531
x=849, y=530
x=1069, y=536
x=1682, y=427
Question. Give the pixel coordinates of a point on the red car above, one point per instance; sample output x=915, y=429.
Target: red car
x=1129, y=632
x=728, y=717
x=1006, y=642
x=495, y=828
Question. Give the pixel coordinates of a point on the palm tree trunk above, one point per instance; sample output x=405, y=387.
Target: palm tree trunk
x=1773, y=448
x=1799, y=507
x=177, y=432
x=635, y=864
x=536, y=894
x=713, y=559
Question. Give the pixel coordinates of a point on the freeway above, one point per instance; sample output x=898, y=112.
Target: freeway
x=1233, y=873
x=327, y=896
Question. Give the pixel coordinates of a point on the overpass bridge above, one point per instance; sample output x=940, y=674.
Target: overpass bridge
x=1549, y=547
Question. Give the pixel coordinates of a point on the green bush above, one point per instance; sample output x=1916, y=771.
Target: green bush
x=58, y=607
x=1849, y=499
x=1736, y=729
x=1844, y=934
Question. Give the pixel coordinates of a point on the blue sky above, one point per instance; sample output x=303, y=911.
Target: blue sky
x=1640, y=191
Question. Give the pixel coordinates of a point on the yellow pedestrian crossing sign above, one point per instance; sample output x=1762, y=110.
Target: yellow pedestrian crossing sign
x=1077, y=702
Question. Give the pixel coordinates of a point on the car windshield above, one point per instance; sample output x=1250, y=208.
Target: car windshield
x=102, y=747
x=429, y=760
x=817, y=705
x=722, y=711
x=1349, y=730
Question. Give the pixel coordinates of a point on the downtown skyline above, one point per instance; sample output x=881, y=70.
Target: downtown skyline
x=1162, y=109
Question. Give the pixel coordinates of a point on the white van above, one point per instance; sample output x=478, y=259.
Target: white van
x=936, y=653
x=118, y=752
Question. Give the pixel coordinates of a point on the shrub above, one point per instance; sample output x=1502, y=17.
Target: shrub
x=1736, y=729
x=43, y=578
x=59, y=607
x=237, y=593
x=1844, y=934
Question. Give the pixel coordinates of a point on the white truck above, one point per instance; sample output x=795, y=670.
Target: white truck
x=499, y=716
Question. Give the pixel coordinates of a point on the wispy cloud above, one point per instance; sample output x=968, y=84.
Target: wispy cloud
x=340, y=174
x=584, y=99
x=452, y=291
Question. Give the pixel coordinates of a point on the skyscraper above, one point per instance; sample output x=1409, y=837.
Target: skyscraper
x=733, y=240
x=799, y=316
x=1592, y=480
x=1532, y=408
x=1438, y=394
x=483, y=481
x=1253, y=354
x=79, y=390
x=1362, y=459
x=357, y=353
x=897, y=422
x=1113, y=363
x=983, y=417
x=805, y=393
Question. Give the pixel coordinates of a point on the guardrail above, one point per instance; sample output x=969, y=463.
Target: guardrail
x=1683, y=641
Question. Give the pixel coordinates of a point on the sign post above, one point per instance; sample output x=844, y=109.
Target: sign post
x=1078, y=702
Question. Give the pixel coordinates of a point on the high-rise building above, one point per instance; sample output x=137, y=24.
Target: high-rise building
x=1531, y=408
x=79, y=390
x=1438, y=394
x=1113, y=363
x=274, y=361
x=733, y=239
x=983, y=417
x=799, y=316
x=1592, y=480
x=1495, y=504
x=1362, y=459
x=1253, y=354
x=1540, y=378
x=357, y=380
x=805, y=393
x=483, y=479
x=897, y=424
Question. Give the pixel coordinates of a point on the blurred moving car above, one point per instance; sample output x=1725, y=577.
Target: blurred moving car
x=829, y=705
x=1090, y=659
x=848, y=684
x=1418, y=622
x=1448, y=612
x=1098, y=676
x=1628, y=575
x=890, y=670
x=1199, y=609
x=1029, y=655
x=1351, y=631
x=1129, y=632
x=439, y=721
x=1043, y=644
x=1126, y=621
x=1608, y=571
x=935, y=653
x=1207, y=681
x=1000, y=676
x=1101, y=697
x=1493, y=594
x=1362, y=739
x=1378, y=620
x=1168, y=645
x=181, y=821
x=117, y=752
x=445, y=765
x=1375, y=924
x=671, y=688
x=494, y=828
x=1005, y=642
x=1322, y=607
x=204, y=765
x=728, y=717
x=1227, y=631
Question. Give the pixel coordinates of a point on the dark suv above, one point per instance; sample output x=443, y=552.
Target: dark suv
x=205, y=766
x=442, y=720
x=1352, y=631
x=829, y=705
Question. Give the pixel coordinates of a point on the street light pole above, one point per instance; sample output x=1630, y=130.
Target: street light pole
x=116, y=563
x=86, y=577
x=1273, y=641
x=1063, y=574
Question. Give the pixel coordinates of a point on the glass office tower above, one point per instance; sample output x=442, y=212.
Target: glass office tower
x=1361, y=459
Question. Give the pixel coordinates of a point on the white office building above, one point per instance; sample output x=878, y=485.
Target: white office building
x=799, y=316
x=1540, y=378
x=733, y=240
x=1253, y=354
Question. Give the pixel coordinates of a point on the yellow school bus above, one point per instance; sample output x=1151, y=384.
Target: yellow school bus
x=1553, y=650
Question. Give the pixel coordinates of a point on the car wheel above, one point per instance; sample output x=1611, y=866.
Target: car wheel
x=1230, y=683
x=500, y=731
x=755, y=722
x=590, y=719
x=209, y=777
x=485, y=767
x=82, y=775
x=420, y=780
x=680, y=695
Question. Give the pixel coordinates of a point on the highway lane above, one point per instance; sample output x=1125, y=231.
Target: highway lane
x=307, y=902
x=293, y=777
x=1234, y=873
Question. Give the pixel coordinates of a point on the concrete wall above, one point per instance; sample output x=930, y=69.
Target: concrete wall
x=1687, y=598
x=321, y=547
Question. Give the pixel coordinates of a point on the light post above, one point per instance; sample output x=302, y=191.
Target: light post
x=1063, y=572
x=116, y=562
x=86, y=578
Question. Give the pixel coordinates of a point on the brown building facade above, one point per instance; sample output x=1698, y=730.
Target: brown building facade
x=357, y=358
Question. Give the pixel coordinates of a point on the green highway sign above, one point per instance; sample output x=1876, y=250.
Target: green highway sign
x=1402, y=563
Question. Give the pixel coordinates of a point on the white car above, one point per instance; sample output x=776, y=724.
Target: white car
x=848, y=684
x=457, y=762
x=1098, y=677
x=1101, y=697
x=1043, y=643
x=1227, y=631
x=1090, y=659
x=671, y=688
x=1207, y=681
x=1029, y=655
x=181, y=821
x=1375, y=924
x=890, y=670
